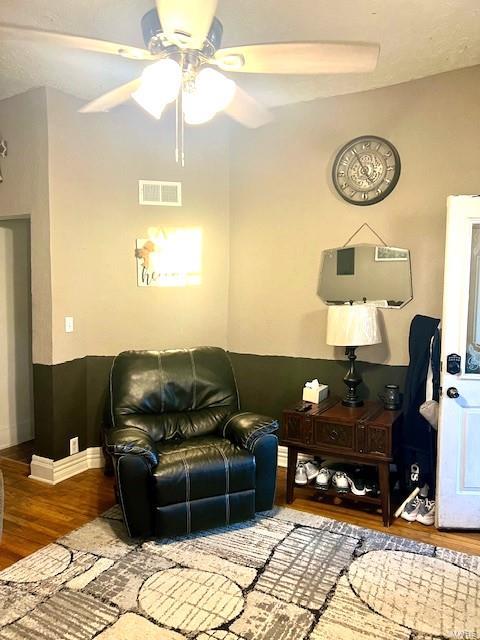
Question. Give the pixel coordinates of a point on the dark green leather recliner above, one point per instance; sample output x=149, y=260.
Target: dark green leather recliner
x=185, y=457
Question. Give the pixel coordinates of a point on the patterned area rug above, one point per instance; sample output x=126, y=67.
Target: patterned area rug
x=286, y=575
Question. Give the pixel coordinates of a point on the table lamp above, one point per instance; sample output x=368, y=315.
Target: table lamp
x=352, y=326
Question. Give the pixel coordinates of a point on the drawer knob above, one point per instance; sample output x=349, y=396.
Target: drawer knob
x=333, y=435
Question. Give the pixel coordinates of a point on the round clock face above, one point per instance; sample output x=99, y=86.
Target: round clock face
x=366, y=170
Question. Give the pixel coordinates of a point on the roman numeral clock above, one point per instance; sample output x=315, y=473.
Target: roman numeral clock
x=366, y=170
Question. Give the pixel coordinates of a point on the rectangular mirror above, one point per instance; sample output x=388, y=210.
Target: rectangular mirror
x=378, y=274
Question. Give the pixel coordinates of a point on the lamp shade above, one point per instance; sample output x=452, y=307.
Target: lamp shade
x=352, y=325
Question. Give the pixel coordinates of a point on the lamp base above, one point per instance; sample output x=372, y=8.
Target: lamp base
x=352, y=403
x=352, y=380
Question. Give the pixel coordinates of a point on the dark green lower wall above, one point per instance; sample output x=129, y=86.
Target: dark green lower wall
x=43, y=409
x=70, y=397
x=98, y=375
x=69, y=400
x=269, y=384
x=59, y=400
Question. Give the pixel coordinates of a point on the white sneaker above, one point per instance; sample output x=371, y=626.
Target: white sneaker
x=426, y=513
x=412, y=508
x=311, y=469
x=323, y=479
x=301, y=474
x=341, y=482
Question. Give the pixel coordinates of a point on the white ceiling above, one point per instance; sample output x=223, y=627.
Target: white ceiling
x=417, y=37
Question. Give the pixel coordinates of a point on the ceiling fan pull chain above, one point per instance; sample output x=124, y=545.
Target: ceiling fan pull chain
x=179, y=132
x=180, y=127
x=177, y=152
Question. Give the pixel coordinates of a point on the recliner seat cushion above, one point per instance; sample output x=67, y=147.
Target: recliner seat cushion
x=199, y=468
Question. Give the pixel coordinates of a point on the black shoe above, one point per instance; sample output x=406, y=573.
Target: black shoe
x=357, y=485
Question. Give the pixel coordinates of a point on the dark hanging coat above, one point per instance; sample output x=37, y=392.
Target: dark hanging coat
x=418, y=441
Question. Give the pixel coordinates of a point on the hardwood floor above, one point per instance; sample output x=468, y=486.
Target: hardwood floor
x=37, y=514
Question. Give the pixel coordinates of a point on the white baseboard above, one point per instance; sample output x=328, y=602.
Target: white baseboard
x=55, y=471
x=283, y=456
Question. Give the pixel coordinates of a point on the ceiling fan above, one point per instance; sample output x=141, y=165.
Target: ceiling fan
x=182, y=46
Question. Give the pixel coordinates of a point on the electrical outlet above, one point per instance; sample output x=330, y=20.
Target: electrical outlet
x=68, y=324
x=73, y=445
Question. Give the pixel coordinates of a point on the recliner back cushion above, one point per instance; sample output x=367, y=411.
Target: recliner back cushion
x=172, y=394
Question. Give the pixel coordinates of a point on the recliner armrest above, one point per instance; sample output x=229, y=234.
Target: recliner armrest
x=131, y=440
x=245, y=428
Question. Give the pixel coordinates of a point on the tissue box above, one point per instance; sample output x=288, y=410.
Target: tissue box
x=315, y=395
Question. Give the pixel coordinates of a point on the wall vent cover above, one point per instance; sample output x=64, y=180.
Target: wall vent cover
x=160, y=193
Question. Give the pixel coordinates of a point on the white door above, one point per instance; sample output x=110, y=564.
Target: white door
x=458, y=469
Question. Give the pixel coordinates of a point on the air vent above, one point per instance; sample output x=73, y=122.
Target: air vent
x=160, y=193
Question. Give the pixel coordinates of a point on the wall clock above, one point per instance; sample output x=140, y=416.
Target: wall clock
x=366, y=170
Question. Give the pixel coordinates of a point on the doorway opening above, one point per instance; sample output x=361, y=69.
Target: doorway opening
x=16, y=370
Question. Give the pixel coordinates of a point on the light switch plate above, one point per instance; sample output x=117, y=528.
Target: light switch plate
x=68, y=324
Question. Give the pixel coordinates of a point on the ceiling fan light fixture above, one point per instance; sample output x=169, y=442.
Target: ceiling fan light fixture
x=212, y=92
x=159, y=86
x=165, y=76
x=214, y=85
x=197, y=109
x=149, y=102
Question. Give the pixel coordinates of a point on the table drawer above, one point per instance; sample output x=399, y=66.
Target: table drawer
x=377, y=440
x=297, y=429
x=338, y=436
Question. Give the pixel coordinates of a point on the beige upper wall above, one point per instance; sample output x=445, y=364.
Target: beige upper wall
x=284, y=210
x=24, y=192
x=95, y=164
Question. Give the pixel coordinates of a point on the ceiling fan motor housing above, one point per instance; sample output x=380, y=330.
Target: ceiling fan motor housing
x=153, y=32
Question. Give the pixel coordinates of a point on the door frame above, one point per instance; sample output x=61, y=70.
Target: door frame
x=27, y=217
x=463, y=212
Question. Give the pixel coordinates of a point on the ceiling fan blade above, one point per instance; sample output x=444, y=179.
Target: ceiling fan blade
x=247, y=111
x=111, y=99
x=300, y=57
x=186, y=23
x=17, y=32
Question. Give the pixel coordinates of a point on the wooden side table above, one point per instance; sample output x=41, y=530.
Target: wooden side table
x=364, y=435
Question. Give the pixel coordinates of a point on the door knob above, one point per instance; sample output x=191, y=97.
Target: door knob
x=452, y=392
